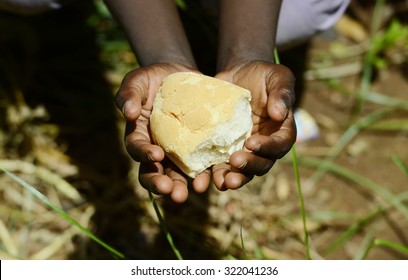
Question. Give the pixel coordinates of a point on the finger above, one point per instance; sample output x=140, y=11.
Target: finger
x=202, y=181
x=219, y=172
x=179, y=193
x=225, y=76
x=152, y=178
x=131, y=96
x=235, y=180
x=277, y=144
x=142, y=151
x=281, y=92
x=139, y=147
x=226, y=177
x=250, y=164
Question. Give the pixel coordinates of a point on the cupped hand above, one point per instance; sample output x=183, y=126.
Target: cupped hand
x=274, y=129
x=135, y=99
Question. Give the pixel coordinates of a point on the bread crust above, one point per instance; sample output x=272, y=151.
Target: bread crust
x=200, y=120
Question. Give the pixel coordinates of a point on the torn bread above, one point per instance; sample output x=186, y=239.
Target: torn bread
x=199, y=120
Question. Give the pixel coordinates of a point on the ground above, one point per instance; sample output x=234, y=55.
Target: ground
x=61, y=133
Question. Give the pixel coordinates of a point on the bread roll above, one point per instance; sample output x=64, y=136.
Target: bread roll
x=199, y=120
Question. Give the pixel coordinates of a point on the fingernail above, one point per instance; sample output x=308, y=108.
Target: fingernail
x=242, y=166
x=282, y=110
x=124, y=108
x=253, y=145
x=128, y=109
x=150, y=156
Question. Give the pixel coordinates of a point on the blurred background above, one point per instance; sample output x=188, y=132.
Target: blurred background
x=61, y=133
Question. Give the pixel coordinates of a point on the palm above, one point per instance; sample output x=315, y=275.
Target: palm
x=147, y=81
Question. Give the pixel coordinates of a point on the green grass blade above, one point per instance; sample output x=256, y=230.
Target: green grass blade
x=301, y=201
x=298, y=184
x=361, y=223
x=181, y=4
x=345, y=139
x=352, y=230
x=389, y=101
x=401, y=165
x=373, y=97
x=396, y=246
x=385, y=243
x=242, y=243
x=371, y=186
x=368, y=68
x=164, y=227
x=362, y=248
x=394, y=125
x=61, y=212
x=329, y=216
x=276, y=56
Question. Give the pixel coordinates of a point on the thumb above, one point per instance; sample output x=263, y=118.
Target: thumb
x=281, y=92
x=131, y=95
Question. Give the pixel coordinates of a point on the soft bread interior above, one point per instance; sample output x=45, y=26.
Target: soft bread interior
x=200, y=121
x=225, y=139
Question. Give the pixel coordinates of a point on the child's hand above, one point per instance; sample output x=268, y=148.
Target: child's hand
x=135, y=100
x=274, y=130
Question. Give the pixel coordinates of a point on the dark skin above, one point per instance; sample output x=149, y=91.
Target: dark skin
x=245, y=57
x=273, y=132
x=156, y=172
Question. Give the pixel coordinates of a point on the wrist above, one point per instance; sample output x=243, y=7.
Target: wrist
x=167, y=57
x=247, y=31
x=239, y=56
x=154, y=30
